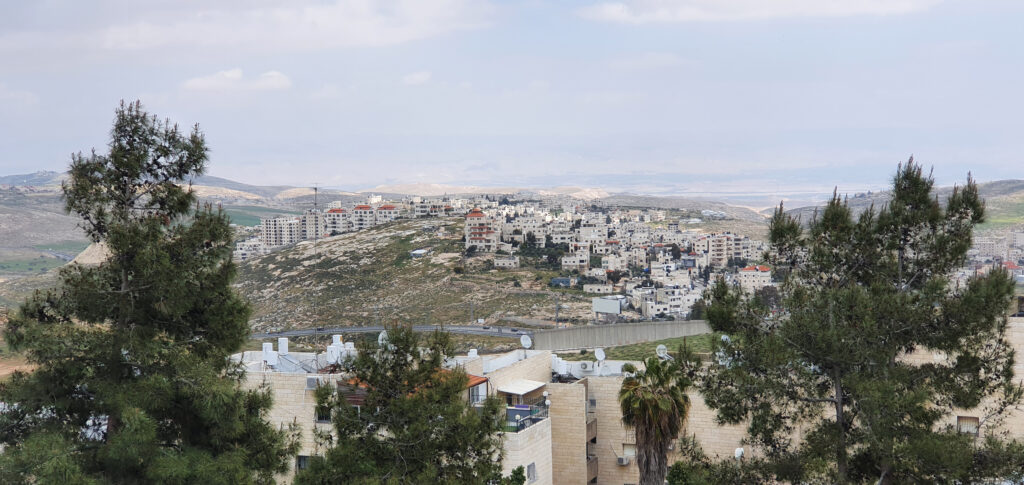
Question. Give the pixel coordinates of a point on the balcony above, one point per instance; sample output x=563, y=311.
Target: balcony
x=591, y=427
x=591, y=468
x=521, y=416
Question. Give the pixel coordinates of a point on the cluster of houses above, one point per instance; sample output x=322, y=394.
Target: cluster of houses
x=995, y=250
x=339, y=218
x=657, y=268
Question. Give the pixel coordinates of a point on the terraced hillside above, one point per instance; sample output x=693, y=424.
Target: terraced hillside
x=369, y=277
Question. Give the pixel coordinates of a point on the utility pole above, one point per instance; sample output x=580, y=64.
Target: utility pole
x=558, y=306
x=316, y=260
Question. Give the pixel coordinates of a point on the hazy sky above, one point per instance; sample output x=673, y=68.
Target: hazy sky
x=650, y=95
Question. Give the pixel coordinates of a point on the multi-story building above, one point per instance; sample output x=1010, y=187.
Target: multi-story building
x=363, y=216
x=482, y=231
x=313, y=224
x=753, y=278
x=337, y=221
x=578, y=261
x=386, y=213
x=248, y=249
x=280, y=231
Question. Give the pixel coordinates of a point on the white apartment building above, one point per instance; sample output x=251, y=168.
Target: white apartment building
x=579, y=261
x=363, y=216
x=386, y=213
x=280, y=231
x=248, y=249
x=337, y=220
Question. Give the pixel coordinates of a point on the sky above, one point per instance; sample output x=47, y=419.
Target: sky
x=648, y=96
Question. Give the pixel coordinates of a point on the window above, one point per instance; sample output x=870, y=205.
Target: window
x=477, y=393
x=301, y=462
x=531, y=473
x=323, y=414
x=967, y=425
x=628, y=449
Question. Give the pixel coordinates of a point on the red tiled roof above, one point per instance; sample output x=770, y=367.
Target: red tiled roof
x=761, y=268
x=475, y=380
x=386, y=208
x=335, y=211
x=1010, y=265
x=475, y=213
x=363, y=208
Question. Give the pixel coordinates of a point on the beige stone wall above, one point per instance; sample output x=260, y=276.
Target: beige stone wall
x=714, y=439
x=611, y=434
x=535, y=368
x=474, y=366
x=292, y=404
x=531, y=445
x=568, y=413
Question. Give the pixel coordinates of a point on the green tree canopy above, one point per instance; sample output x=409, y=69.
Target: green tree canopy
x=415, y=424
x=861, y=293
x=132, y=382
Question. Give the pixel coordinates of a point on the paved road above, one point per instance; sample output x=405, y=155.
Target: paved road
x=471, y=330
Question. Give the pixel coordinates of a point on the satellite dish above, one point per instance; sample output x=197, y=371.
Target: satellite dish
x=382, y=339
x=526, y=341
x=605, y=371
x=599, y=353
x=662, y=351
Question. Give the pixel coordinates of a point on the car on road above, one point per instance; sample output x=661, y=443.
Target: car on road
x=486, y=327
x=514, y=330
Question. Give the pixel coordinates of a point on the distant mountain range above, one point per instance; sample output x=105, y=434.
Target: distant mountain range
x=1004, y=203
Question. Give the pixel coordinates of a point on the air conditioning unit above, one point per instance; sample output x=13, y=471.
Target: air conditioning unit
x=623, y=460
x=584, y=365
x=312, y=382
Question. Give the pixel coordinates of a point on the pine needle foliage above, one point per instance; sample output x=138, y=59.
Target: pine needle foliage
x=414, y=424
x=836, y=357
x=132, y=381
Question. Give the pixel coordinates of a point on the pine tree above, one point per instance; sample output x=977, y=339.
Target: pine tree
x=132, y=382
x=414, y=425
x=863, y=293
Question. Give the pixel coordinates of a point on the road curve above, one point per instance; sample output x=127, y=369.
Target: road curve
x=467, y=330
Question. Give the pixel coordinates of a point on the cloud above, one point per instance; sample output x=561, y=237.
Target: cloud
x=300, y=25
x=648, y=60
x=16, y=97
x=416, y=78
x=666, y=11
x=234, y=80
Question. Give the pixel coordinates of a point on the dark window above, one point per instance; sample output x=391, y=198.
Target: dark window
x=323, y=414
x=301, y=462
x=531, y=473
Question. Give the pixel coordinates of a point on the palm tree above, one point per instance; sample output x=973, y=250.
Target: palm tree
x=655, y=404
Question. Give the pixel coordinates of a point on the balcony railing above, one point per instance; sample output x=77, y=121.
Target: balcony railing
x=521, y=416
x=591, y=467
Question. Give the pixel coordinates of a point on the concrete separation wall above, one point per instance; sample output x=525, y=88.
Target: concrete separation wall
x=612, y=335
